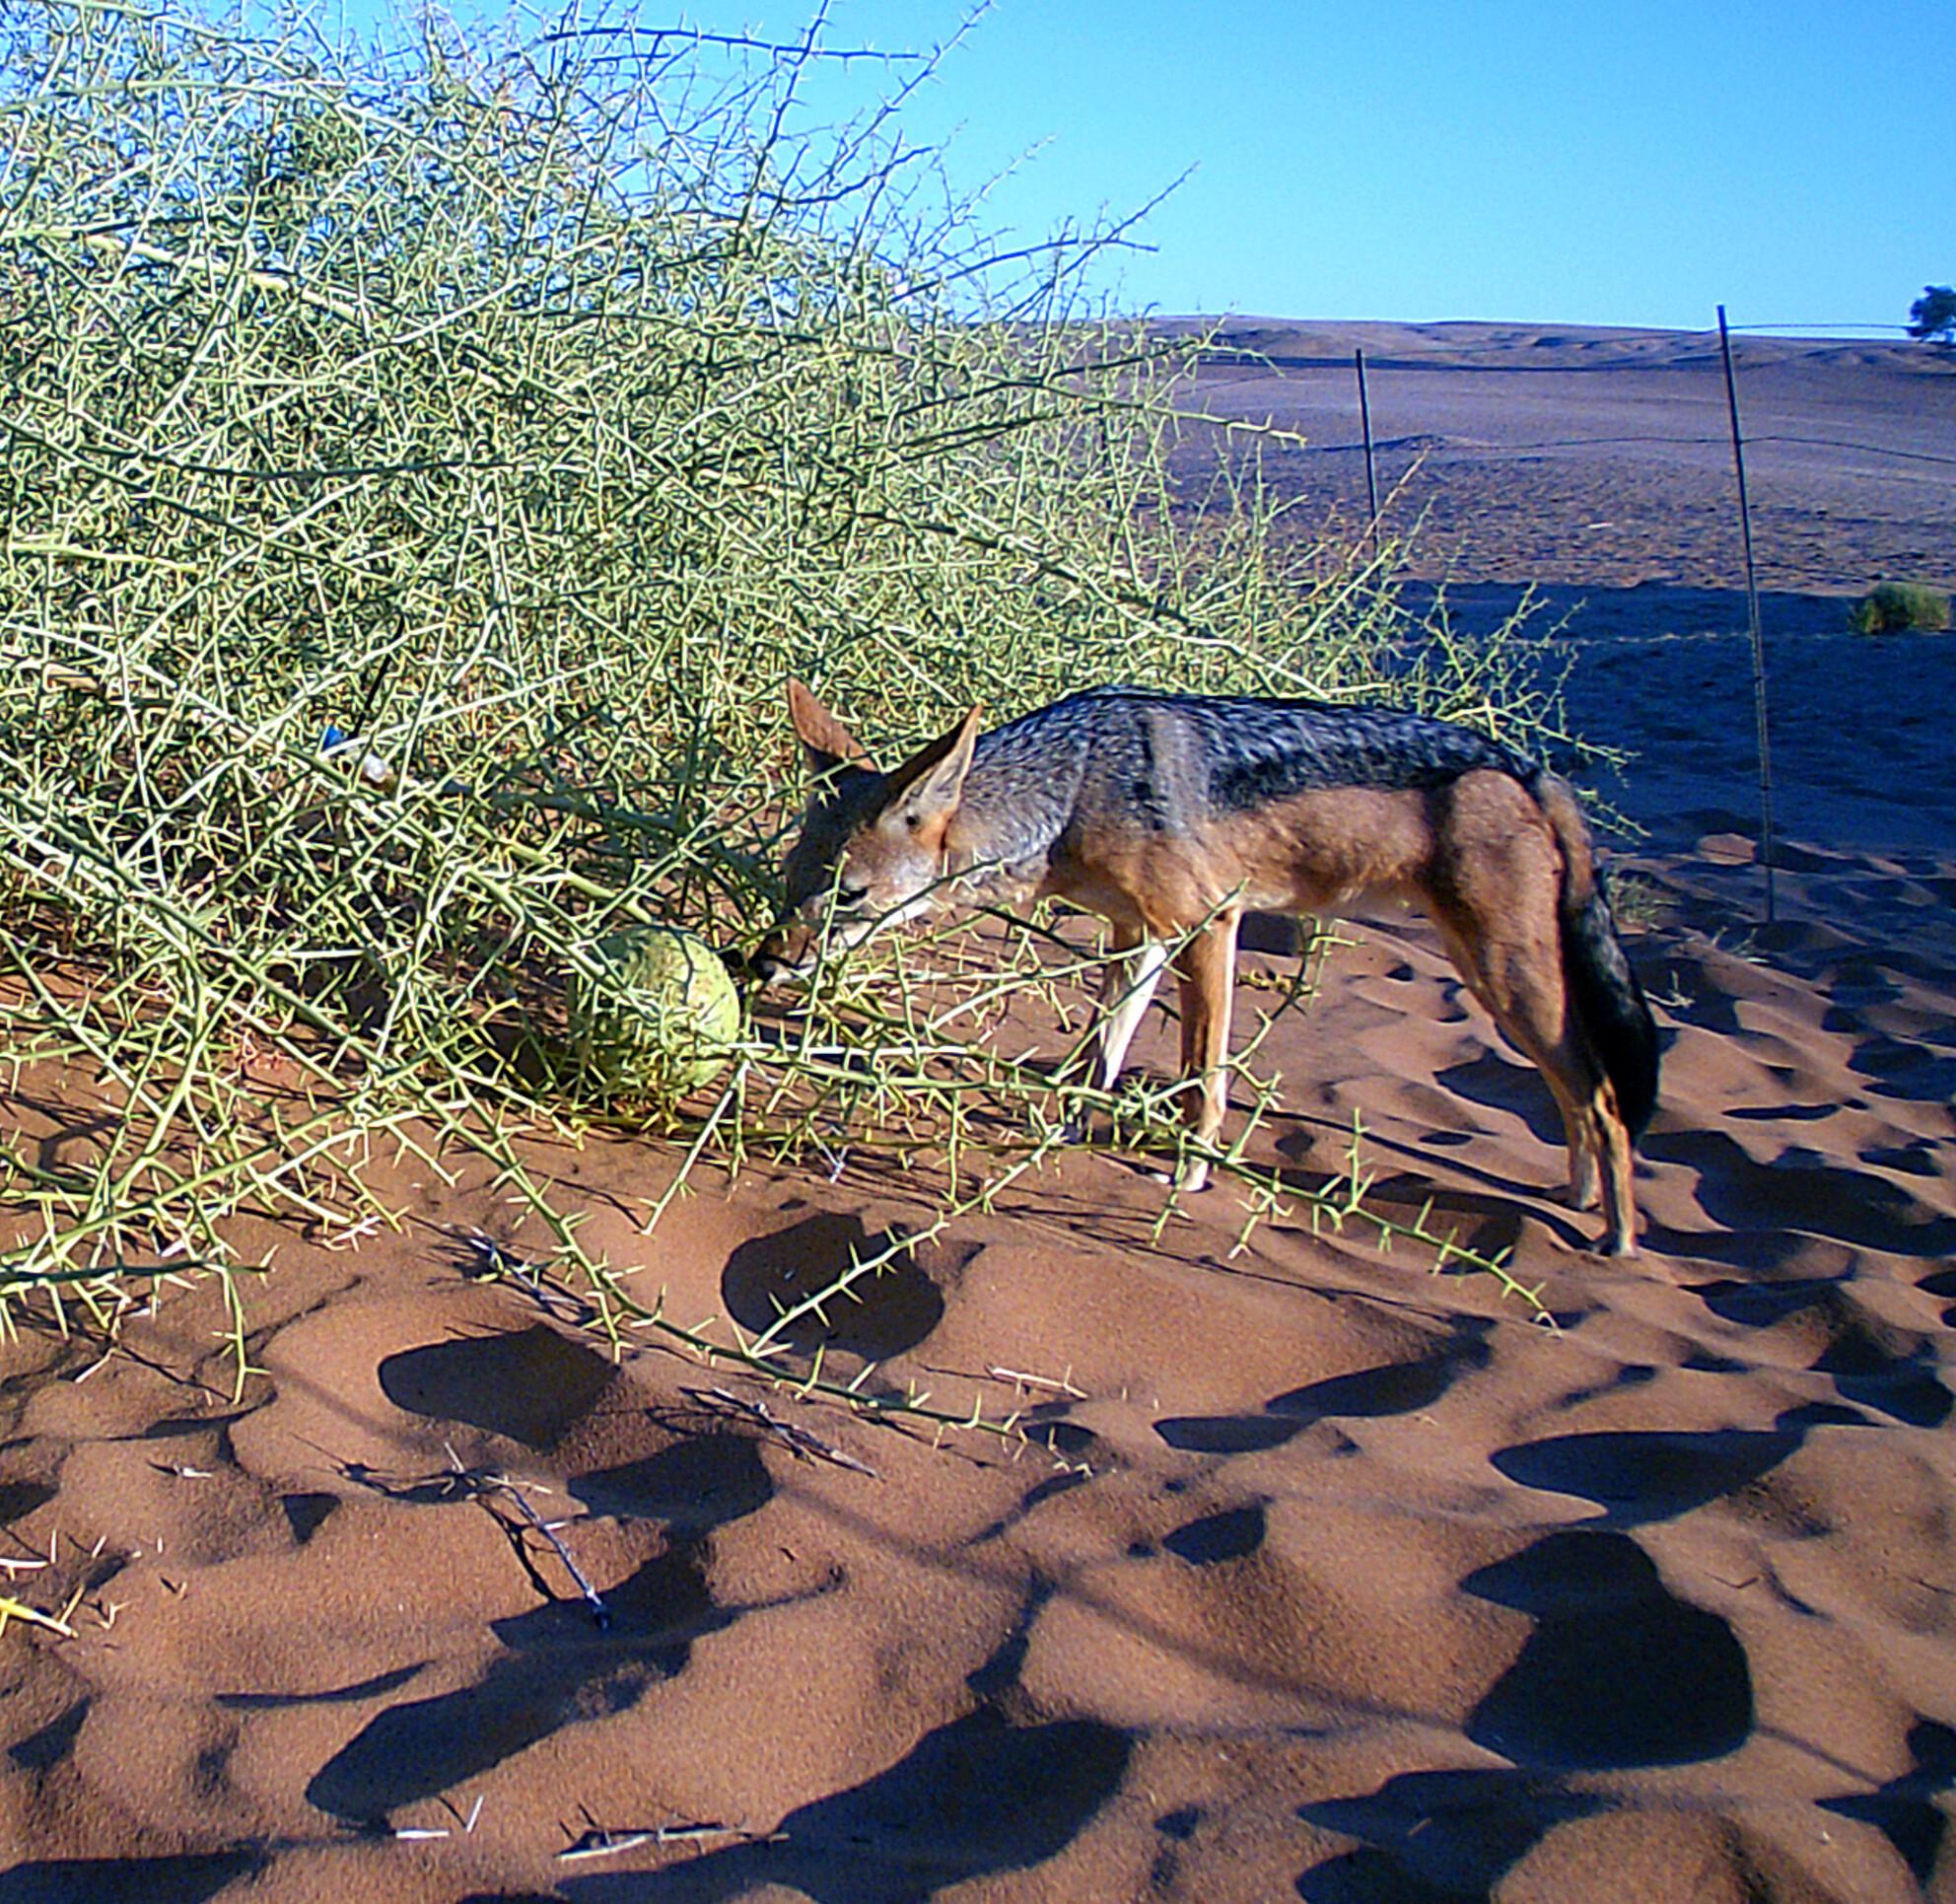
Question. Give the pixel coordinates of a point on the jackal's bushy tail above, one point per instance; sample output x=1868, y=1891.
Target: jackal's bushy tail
x=1609, y=1002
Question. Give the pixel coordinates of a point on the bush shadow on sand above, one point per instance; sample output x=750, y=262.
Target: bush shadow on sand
x=1619, y=1673
x=1393, y=1388
x=559, y=1665
x=885, y=1312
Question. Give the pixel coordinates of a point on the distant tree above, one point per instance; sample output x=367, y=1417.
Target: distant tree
x=1934, y=314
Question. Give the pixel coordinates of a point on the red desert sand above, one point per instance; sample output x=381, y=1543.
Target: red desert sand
x=1321, y=1577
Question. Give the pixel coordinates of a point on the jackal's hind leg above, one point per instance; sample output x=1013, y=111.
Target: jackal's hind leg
x=1612, y=1148
x=1579, y=1125
x=1585, y=1179
x=1512, y=961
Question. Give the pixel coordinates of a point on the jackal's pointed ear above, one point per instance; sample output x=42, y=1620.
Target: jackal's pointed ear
x=928, y=786
x=826, y=743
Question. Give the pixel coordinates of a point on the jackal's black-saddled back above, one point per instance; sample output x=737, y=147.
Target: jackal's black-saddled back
x=1172, y=753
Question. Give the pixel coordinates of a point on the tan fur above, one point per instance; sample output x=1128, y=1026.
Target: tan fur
x=820, y=731
x=1479, y=855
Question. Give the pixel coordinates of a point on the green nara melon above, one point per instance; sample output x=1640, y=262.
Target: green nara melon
x=658, y=1018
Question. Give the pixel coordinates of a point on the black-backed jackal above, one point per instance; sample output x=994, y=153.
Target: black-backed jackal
x=1168, y=812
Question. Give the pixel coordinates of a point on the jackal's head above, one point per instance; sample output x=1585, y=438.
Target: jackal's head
x=872, y=848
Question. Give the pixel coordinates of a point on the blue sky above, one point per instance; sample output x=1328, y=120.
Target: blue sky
x=1634, y=164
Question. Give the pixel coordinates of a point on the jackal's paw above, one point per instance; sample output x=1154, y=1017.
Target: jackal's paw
x=1186, y=1181
x=1584, y=1190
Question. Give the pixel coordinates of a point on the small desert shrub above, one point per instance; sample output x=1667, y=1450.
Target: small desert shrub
x=1891, y=606
x=1640, y=904
x=532, y=415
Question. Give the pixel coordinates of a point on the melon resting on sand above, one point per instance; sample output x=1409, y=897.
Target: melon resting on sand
x=660, y=1016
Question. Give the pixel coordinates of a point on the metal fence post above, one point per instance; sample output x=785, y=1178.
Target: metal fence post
x=1765, y=852
x=1366, y=422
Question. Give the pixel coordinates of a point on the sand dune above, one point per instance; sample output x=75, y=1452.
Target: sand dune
x=1321, y=1576
x=1603, y=458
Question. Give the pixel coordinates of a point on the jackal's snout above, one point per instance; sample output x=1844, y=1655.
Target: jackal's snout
x=871, y=853
x=796, y=943
x=784, y=953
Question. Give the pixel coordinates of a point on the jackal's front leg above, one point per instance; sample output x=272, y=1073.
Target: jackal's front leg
x=1206, y=968
x=1127, y=987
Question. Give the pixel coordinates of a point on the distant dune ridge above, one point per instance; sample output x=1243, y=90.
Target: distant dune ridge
x=1567, y=454
x=1321, y=1577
